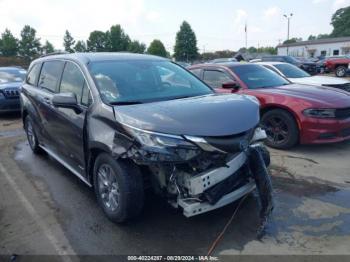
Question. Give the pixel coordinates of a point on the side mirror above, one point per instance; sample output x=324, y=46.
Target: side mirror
x=66, y=100
x=231, y=85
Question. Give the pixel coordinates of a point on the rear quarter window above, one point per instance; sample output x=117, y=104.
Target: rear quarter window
x=32, y=77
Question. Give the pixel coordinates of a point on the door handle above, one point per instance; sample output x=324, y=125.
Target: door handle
x=47, y=100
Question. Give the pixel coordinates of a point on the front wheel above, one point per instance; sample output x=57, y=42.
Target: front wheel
x=281, y=129
x=340, y=71
x=118, y=188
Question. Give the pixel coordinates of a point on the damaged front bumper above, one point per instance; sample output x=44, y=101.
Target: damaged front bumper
x=193, y=208
x=224, y=185
x=200, y=174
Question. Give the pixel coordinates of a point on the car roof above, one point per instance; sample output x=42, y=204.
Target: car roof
x=271, y=63
x=11, y=68
x=224, y=64
x=101, y=56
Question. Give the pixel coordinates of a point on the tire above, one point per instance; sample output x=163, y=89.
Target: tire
x=31, y=136
x=281, y=129
x=340, y=71
x=120, y=194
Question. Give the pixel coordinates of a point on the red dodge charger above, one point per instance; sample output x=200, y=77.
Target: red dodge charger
x=290, y=113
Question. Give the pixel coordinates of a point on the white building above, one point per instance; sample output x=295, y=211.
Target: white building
x=315, y=48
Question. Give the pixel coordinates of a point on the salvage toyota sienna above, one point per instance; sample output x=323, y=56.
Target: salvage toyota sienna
x=124, y=123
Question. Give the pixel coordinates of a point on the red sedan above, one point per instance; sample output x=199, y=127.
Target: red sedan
x=290, y=113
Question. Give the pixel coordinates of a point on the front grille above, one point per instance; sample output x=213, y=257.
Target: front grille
x=342, y=113
x=11, y=93
x=231, y=144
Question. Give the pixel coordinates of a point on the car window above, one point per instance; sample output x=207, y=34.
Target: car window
x=215, y=78
x=197, y=72
x=291, y=71
x=32, y=77
x=271, y=68
x=50, y=75
x=144, y=81
x=257, y=76
x=86, y=98
x=72, y=80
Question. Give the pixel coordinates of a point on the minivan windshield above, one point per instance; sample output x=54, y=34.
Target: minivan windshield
x=291, y=71
x=140, y=81
x=257, y=76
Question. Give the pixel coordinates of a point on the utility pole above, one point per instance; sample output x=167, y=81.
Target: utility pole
x=288, y=17
x=246, y=36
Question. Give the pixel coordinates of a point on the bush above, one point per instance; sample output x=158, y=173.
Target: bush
x=13, y=61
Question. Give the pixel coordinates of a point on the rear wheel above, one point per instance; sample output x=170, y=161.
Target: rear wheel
x=118, y=188
x=31, y=136
x=340, y=71
x=281, y=129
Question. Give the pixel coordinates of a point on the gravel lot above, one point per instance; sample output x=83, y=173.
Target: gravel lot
x=44, y=209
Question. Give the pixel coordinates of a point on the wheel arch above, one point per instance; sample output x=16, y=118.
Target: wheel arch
x=95, y=149
x=273, y=106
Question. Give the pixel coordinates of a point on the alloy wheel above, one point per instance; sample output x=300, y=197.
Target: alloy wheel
x=341, y=71
x=108, y=187
x=276, y=130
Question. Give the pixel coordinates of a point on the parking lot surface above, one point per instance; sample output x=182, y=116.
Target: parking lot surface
x=45, y=209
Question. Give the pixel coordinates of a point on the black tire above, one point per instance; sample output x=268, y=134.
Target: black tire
x=32, y=136
x=284, y=133
x=127, y=183
x=340, y=71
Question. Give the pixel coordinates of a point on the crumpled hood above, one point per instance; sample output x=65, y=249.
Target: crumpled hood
x=14, y=85
x=324, y=96
x=210, y=115
x=319, y=80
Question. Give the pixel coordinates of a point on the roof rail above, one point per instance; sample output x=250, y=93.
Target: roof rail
x=55, y=53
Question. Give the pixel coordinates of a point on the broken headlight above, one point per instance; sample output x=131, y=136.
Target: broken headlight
x=164, y=147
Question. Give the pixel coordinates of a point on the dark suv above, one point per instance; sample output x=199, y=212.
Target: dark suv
x=11, y=79
x=307, y=66
x=124, y=122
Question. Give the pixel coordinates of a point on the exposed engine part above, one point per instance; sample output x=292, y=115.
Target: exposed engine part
x=209, y=173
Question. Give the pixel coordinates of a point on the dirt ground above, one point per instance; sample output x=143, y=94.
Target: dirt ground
x=45, y=210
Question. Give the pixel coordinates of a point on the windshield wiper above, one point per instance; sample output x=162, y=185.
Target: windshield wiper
x=123, y=103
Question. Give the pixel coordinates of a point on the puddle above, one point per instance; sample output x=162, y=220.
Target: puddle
x=12, y=133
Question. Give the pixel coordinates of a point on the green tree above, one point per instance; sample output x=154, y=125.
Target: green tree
x=117, y=39
x=312, y=37
x=9, y=44
x=98, y=42
x=68, y=42
x=137, y=47
x=293, y=40
x=341, y=22
x=80, y=46
x=242, y=50
x=186, y=44
x=47, y=48
x=252, y=49
x=323, y=36
x=267, y=50
x=157, y=48
x=29, y=45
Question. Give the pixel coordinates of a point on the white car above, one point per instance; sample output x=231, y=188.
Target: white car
x=299, y=76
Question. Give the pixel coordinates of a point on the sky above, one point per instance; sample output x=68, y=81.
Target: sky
x=218, y=24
